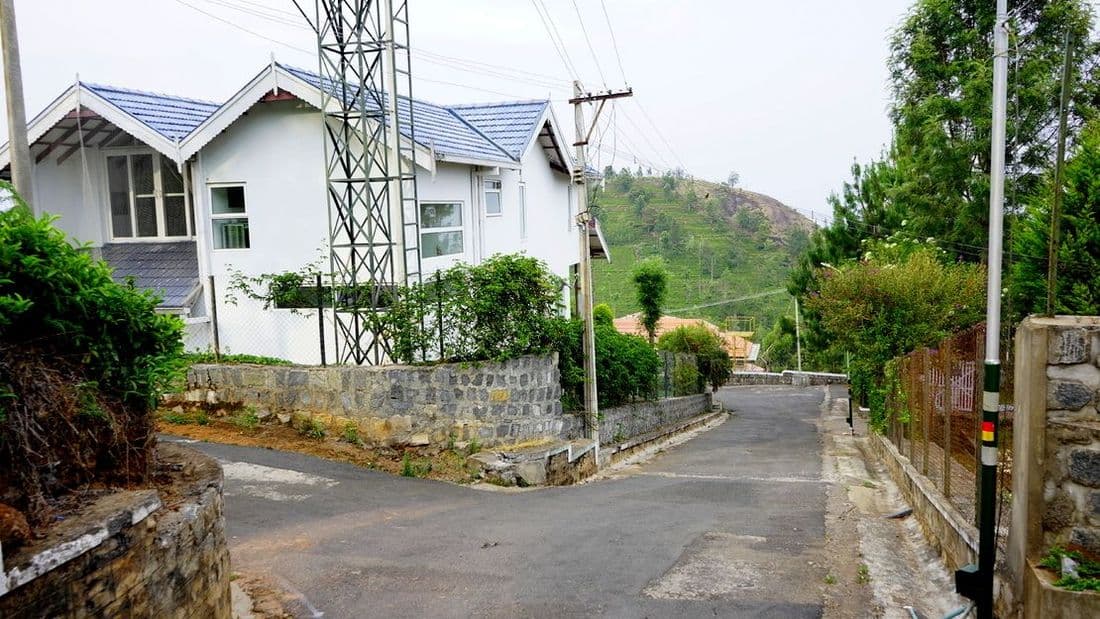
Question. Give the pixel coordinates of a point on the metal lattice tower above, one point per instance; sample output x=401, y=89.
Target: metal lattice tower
x=370, y=174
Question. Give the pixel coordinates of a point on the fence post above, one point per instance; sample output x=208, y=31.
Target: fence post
x=914, y=412
x=948, y=408
x=439, y=311
x=926, y=407
x=214, y=320
x=665, y=356
x=321, y=318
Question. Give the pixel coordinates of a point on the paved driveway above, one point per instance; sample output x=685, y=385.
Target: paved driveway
x=730, y=523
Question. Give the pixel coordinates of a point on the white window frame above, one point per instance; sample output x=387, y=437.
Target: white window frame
x=523, y=211
x=158, y=196
x=485, y=191
x=210, y=187
x=459, y=228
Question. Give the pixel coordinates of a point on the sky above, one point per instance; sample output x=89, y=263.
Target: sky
x=786, y=93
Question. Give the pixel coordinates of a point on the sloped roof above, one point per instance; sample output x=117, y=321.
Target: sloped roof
x=737, y=346
x=437, y=127
x=171, y=116
x=169, y=269
x=509, y=124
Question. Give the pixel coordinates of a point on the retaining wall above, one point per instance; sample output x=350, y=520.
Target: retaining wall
x=624, y=422
x=127, y=555
x=786, y=377
x=492, y=402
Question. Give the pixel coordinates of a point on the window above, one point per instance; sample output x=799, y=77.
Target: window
x=228, y=218
x=146, y=197
x=492, y=198
x=522, y=210
x=440, y=229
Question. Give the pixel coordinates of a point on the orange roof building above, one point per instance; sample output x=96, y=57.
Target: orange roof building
x=740, y=349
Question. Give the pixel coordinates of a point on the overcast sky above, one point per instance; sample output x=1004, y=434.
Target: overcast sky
x=784, y=92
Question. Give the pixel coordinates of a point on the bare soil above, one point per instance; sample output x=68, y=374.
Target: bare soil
x=428, y=462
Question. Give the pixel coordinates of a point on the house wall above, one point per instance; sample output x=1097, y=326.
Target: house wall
x=275, y=150
x=60, y=190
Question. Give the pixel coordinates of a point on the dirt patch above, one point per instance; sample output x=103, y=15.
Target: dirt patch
x=445, y=464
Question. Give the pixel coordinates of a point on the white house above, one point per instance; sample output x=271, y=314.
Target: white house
x=171, y=191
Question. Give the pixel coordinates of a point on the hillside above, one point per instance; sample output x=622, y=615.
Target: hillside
x=718, y=243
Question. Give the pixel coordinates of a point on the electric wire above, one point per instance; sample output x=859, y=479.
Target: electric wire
x=614, y=42
x=550, y=30
x=591, y=50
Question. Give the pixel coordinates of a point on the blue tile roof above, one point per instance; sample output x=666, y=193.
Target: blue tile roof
x=511, y=125
x=169, y=269
x=493, y=131
x=172, y=117
x=438, y=127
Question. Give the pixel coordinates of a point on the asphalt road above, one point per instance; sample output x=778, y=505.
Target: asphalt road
x=730, y=523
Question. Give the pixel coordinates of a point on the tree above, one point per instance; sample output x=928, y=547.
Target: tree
x=1077, y=289
x=903, y=295
x=651, y=283
x=602, y=314
x=778, y=348
x=733, y=179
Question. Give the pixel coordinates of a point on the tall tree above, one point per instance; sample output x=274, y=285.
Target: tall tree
x=651, y=283
x=1077, y=289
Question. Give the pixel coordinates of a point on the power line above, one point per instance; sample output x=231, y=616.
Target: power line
x=290, y=21
x=660, y=134
x=563, y=53
x=587, y=40
x=614, y=42
x=243, y=29
x=756, y=295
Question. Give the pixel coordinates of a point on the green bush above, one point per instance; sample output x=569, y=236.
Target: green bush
x=500, y=309
x=900, y=297
x=627, y=367
x=602, y=314
x=72, y=341
x=713, y=363
x=686, y=380
x=651, y=284
x=208, y=357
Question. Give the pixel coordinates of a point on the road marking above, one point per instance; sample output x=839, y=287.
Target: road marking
x=793, y=480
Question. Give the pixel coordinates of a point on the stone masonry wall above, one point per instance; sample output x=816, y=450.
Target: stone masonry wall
x=398, y=405
x=1056, y=450
x=126, y=555
x=1072, y=478
x=787, y=377
x=625, y=422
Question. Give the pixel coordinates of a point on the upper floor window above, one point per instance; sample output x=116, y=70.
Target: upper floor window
x=492, y=198
x=147, y=197
x=228, y=217
x=440, y=229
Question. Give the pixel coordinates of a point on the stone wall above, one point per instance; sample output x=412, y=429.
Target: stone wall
x=787, y=377
x=623, y=422
x=131, y=553
x=398, y=405
x=1056, y=444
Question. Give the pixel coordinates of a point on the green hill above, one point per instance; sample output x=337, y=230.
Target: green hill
x=718, y=242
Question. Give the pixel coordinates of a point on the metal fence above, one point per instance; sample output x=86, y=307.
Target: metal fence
x=934, y=418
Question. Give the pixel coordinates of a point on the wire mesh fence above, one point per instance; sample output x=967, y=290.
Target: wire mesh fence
x=934, y=415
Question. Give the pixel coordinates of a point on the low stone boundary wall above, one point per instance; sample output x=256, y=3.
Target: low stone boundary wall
x=787, y=377
x=491, y=402
x=126, y=555
x=944, y=527
x=620, y=423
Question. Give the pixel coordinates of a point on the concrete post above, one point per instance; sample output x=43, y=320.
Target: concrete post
x=18, y=147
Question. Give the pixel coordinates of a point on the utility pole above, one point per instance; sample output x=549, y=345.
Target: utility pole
x=580, y=179
x=976, y=582
x=1059, y=181
x=798, y=333
x=18, y=147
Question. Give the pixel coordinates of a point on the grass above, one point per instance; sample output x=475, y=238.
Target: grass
x=246, y=419
x=351, y=434
x=415, y=468
x=712, y=258
x=194, y=417
x=208, y=357
x=311, y=428
x=830, y=579
x=863, y=574
x=1088, y=570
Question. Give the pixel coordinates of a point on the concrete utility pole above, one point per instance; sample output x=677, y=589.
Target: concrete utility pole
x=976, y=582
x=584, y=305
x=18, y=147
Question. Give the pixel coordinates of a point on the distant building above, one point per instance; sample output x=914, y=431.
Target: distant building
x=741, y=350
